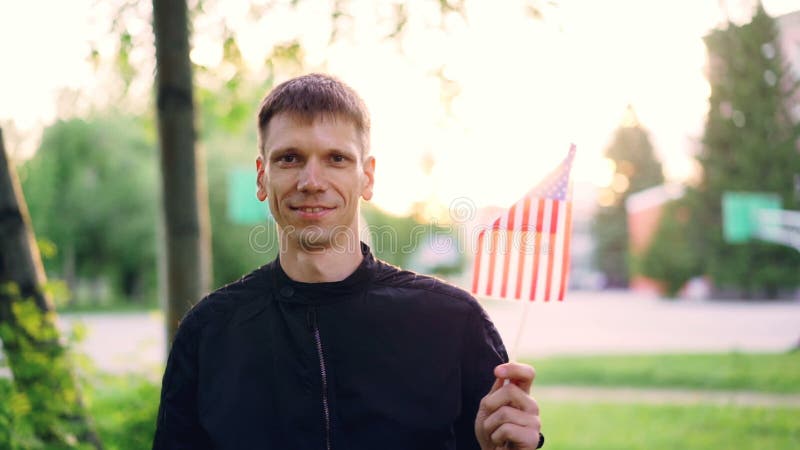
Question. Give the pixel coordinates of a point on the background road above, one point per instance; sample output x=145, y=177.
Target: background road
x=608, y=322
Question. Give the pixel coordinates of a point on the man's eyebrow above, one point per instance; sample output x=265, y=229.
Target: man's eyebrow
x=281, y=151
x=343, y=152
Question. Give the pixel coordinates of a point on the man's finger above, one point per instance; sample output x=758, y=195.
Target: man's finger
x=498, y=383
x=512, y=395
x=507, y=414
x=520, y=374
x=527, y=437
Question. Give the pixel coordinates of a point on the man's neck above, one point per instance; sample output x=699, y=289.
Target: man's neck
x=320, y=266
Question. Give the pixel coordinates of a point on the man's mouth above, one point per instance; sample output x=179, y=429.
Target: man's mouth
x=311, y=211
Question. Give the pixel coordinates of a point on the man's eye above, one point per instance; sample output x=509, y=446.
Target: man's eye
x=338, y=158
x=288, y=158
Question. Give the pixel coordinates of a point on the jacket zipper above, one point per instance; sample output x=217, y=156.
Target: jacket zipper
x=325, y=409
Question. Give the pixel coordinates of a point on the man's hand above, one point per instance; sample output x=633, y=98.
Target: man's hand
x=508, y=418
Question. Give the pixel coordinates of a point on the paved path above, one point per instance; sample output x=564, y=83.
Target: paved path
x=612, y=322
x=122, y=342
x=586, y=323
x=592, y=394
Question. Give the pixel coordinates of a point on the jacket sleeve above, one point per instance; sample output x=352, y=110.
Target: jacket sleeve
x=482, y=351
x=178, y=426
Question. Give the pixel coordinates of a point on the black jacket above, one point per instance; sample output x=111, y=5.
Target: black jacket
x=385, y=359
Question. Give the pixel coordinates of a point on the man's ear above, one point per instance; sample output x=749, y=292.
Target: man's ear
x=369, y=178
x=261, y=179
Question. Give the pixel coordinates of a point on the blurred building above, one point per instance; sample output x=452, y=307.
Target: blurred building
x=583, y=273
x=789, y=28
x=644, y=214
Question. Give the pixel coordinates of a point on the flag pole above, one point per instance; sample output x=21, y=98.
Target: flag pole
x=515, y=348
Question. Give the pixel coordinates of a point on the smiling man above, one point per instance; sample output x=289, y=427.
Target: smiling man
x=327, y=347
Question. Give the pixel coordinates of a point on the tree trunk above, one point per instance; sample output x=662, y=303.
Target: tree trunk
x=185, y=203
x=38, y=362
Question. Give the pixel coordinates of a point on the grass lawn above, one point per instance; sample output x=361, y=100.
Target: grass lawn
x=647, y=427
x=766, y=372
x=124, y=411
x=124, y=408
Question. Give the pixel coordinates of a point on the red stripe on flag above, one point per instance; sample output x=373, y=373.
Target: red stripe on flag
x=477, y=273
x=525, y=214
x=539, y=220
x=565, y=256
x=507, y=259
x=554, y=217
x=551, y=249
x=492, y=255
x=526, y=210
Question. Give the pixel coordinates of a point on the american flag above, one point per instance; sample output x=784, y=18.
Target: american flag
x=524, y=254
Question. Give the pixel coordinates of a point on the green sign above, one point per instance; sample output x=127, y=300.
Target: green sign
x=739, y=222
x=243, y=206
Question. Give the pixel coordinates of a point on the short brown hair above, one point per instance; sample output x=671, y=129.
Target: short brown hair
x=310, y=97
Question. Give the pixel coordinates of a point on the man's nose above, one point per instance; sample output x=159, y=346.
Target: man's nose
x=311, y=177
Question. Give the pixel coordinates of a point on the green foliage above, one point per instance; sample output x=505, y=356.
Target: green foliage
x=636, y=168
x=634, y=158
x=610, y=231
x=124, y=67
x=671, y=258
x=750, y=144
x=393, y=237
x=90, y=190
x=16, y=433
x=763, y=372
x=125, y=410
x=44, y=409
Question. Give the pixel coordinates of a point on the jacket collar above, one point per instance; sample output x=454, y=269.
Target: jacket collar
x=289, y=290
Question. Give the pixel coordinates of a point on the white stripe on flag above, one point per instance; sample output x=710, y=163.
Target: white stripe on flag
x=542, y=250
x=558, y=259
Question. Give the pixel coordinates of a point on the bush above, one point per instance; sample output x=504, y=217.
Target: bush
x=124, y=409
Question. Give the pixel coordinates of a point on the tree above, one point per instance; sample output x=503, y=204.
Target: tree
x=185, y=204
x=636, y=168
x=670, y=257
x=90, y=190
x=750, y=144
x=38, y=361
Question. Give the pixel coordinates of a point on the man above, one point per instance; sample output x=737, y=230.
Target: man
x=327, y=347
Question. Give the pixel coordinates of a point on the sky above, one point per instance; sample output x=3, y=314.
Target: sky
x=525, y=89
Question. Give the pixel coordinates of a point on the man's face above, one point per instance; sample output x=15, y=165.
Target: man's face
x=313, y=175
